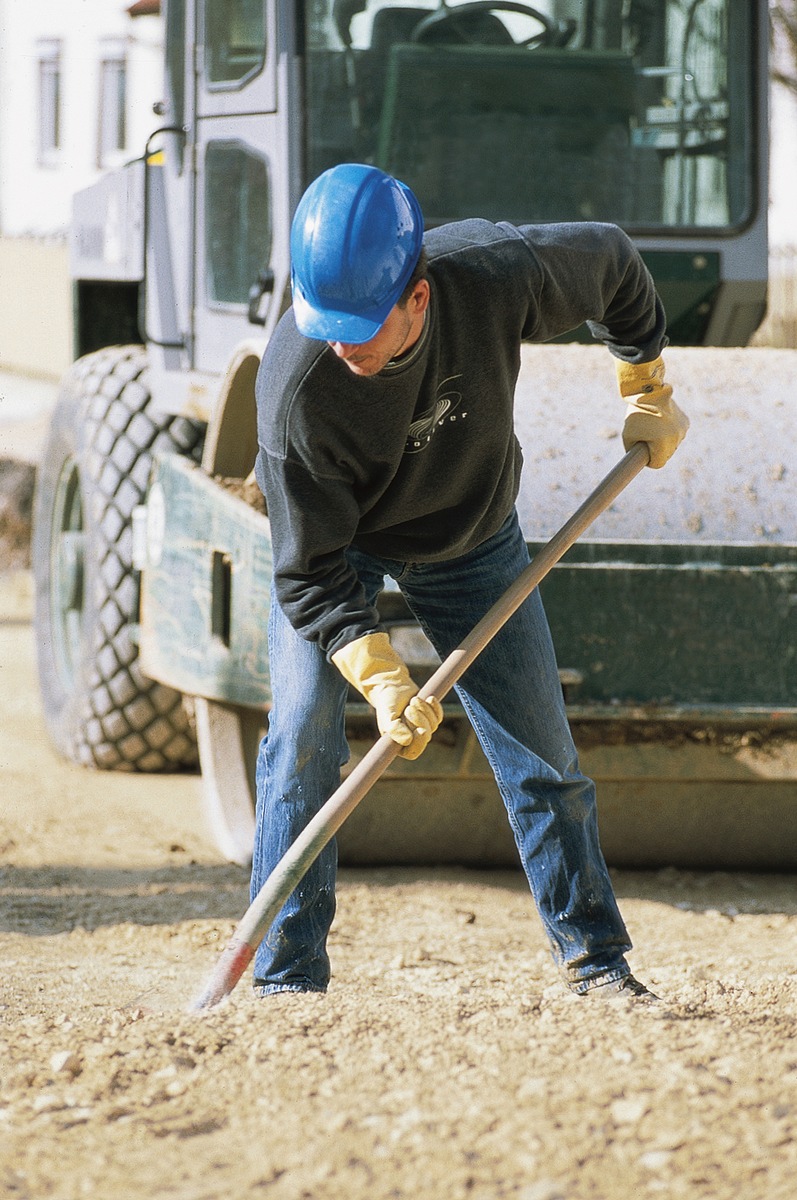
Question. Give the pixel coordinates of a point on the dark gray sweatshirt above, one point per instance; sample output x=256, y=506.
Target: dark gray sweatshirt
x=420, y=463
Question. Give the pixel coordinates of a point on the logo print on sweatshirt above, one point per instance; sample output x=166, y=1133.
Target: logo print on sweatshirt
x=445, y=408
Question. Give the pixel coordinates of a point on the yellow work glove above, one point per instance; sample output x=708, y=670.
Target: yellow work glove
x=653, y=416
x=380, y=675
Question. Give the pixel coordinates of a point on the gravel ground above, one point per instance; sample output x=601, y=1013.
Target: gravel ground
x=445, y=1062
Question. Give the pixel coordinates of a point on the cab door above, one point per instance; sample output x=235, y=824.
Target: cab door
x=241, y=198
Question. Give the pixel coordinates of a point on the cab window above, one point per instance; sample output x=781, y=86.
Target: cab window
x=238, y=226
x=235, y=40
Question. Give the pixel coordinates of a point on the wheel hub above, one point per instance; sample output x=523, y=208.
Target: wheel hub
x=67, y=556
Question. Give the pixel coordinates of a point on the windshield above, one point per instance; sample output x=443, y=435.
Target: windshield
x=633, y=111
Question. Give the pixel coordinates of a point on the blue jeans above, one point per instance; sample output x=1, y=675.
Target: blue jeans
x=513, y=698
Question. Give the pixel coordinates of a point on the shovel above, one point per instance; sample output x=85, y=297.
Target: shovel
x=289, y=871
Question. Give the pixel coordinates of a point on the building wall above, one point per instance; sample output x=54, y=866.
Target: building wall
x=35, y=192
x=36, y=188
x=35, y=306
x=783, y=151
x=780, y=324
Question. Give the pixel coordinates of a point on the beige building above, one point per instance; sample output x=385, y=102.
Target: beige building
x=78, y=79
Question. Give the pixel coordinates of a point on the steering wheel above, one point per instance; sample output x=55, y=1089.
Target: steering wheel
x=432, y=27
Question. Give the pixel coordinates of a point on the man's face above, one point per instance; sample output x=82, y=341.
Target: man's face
x=400, y=332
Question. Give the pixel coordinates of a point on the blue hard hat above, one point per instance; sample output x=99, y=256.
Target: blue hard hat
x=355, y=240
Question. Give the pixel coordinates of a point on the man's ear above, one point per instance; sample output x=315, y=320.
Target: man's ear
x=419, y=300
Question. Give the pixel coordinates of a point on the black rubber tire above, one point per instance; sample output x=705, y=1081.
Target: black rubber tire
x=100, y=709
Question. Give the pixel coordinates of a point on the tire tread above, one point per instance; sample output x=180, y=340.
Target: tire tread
x=118, y=718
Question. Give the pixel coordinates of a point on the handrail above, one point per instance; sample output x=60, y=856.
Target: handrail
x=143, y=332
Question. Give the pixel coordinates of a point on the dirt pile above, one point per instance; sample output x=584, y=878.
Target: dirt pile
x=16, y=504
x=446, y=1061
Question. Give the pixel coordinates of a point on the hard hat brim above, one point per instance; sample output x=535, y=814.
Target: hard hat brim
x=326, y=325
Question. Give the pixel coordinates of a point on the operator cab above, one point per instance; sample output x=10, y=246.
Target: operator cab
x=635, y=113
x=651, y=114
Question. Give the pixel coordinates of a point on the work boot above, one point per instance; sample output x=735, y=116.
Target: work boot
x=628, y=988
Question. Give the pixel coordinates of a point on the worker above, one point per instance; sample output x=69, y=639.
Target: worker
x=387, y=448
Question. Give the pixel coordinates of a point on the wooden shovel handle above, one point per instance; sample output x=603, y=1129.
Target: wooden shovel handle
x=295, y=862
